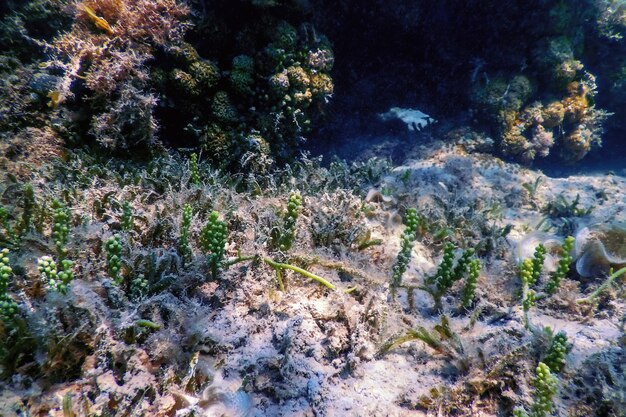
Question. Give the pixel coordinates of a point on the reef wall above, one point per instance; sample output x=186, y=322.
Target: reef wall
x=248, y=81
x=540, y=76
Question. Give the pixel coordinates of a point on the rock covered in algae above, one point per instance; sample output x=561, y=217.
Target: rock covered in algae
x=600, y=247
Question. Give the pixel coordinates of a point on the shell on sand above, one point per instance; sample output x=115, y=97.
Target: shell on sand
x=599, y=247
x=525, y=248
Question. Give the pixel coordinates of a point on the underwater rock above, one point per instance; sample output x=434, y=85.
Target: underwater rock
x=471, y=140
x=42, y=83
x=600, y=247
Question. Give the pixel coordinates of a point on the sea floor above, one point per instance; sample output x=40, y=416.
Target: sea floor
x=238, y=345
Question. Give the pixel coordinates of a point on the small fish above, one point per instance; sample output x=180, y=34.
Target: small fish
x=100, y=22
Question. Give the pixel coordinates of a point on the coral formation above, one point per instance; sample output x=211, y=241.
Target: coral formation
x=103, y=61
x=124, y=76
x=531, y=129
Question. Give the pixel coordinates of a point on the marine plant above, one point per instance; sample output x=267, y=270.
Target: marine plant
x=184, y=244
x=280, y=266
x=603, y=287
x=26, y=222
x=560, y=207
x=448, y=273
x=213, y=242
x=54, y=278
x=546, y=386
x=520, y=412
x=469, y=291
x=139, y=287
x=531, y=188
x=40, y=218
x=563, y=266
x=557, y=351
x=8, y=307
x=11, y=233
x=406, y=246
x=60, y=226
x=127, y=220
x=538, y=259
x=530, y=272
x=284, y=236
x=8, y=235
x=528, y=294
x=113, y=248
x=442, y=339
x=193, y=167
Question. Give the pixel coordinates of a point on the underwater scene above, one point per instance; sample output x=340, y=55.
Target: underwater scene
x=312, y=208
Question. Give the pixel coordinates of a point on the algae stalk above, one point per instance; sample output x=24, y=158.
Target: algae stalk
x=278, y=265
x=607, y=283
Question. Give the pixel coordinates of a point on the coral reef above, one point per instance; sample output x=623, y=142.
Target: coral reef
x=561, y=113
x=264, y=93
x=124, y=76
x=531, y=129
x=103, y=64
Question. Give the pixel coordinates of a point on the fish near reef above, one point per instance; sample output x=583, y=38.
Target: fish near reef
x=100, y=22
